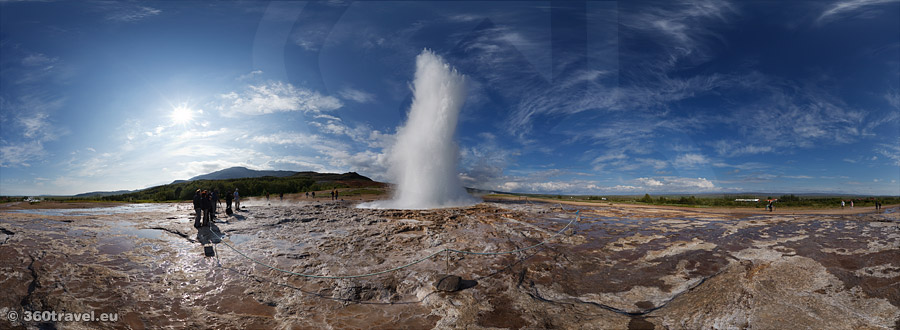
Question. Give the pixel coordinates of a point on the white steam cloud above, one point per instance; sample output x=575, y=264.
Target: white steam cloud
x=424, y=159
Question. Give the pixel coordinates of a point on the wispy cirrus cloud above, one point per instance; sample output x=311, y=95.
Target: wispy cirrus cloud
x=690, y=160
x=38, y=59
x=801, y=115
x=891, y=151
x=27, y=127
x=682, y=29
x=893, y=98
x=845, y=8
x=20, y=154
x=734, y=148
x=536, y=183
x=356, y=95
x=126, y=11
x=289, y=138
x=250, y=75
x=29, y=68
x=275, y=97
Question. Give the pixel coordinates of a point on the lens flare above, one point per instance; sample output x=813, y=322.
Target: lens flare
x=182, y=115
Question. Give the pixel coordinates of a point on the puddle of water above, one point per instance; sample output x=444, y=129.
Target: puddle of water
x=127, y=228
x=123, y=209
x=239, y=239
x=114, y=246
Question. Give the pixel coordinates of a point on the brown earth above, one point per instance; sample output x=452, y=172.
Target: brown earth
x=715, y=210
x=617, y=267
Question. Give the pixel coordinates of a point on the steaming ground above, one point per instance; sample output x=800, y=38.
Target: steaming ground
x=619, y=267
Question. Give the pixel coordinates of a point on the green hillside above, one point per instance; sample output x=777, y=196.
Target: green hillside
x=298, y=183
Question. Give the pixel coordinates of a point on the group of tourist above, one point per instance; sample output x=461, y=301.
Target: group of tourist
x=334, y=194
x=877, y=204
x=206, y=202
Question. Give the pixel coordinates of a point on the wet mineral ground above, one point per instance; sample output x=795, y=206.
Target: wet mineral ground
x=614, y=267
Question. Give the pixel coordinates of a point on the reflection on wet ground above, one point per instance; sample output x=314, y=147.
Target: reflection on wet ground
x=617, y=267
x=122, y=209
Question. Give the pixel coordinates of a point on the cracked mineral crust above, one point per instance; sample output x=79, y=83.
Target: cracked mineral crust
x=614, y=267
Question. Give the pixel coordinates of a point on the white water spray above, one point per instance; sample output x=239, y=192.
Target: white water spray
x=424, y=159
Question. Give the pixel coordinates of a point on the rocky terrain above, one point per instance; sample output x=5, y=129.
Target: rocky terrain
x=616, y=267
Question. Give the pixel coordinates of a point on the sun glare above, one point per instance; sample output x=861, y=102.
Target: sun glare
x=182, y=115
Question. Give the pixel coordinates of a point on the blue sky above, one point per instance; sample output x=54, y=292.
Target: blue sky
x=598, y=98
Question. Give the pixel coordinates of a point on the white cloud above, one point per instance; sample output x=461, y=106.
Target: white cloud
x=127, y=12
x=613, y=158
x=798, y=115
x=690, y=160
x=37, y=126
x=676, y=184
x=38, y=59
x=20, y=154
x=535, y=184
x=484, y=163
x=294, y=138
x=893, y=98
x=845, y=7
x=465, y=18
x=744, y=166
x=733, y=148
x=683, y=28
x=356, y=95
x=26, y=128
x=275, y=97
x=250, y=75
x=650, y=182
x=340, y=156
x=891, y=151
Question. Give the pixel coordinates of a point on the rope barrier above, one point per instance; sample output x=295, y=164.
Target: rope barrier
x=395, y=268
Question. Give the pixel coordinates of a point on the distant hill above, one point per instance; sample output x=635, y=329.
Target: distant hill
x=257, y=184
x=238, y=173
x=104, y=193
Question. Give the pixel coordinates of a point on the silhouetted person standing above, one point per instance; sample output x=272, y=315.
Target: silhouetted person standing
x=213, y=202
x=198, y=208
x=205, y=204
x=228, y=198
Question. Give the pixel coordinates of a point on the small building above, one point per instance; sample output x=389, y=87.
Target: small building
x=755, y=200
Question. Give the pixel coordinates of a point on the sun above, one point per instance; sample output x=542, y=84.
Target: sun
x=182, y=115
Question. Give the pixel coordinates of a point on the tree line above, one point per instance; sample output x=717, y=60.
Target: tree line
x=246, y=187
x=789, y=200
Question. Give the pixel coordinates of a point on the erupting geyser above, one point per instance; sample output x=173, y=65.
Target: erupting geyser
x=424, y=159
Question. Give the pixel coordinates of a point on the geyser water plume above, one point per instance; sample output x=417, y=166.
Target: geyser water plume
x=424, y=159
